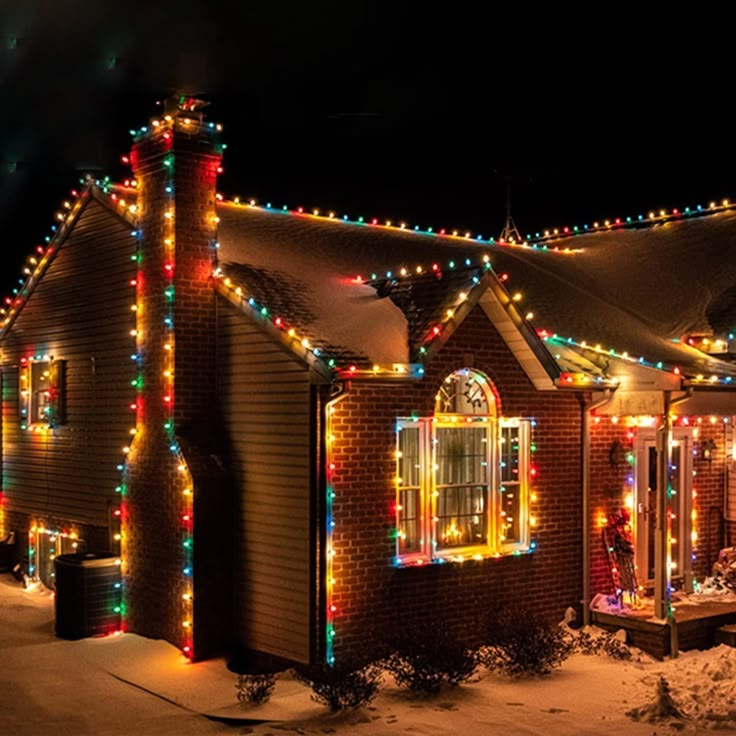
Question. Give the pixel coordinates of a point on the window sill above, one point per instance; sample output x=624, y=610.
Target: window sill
x=37, y=427
x=462, y=557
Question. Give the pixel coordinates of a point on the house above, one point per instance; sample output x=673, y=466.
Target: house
x=301, y=432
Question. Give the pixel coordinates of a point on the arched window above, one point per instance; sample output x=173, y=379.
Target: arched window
x=462, y=476
x=465, y=392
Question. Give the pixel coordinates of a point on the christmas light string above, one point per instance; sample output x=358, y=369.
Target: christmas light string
x=164, y=130
x=414, y=560
x=54, y=536
x=654, y=217
x=238, y=295
x=121, y=518
x=330, y=552
x=555, y=339
x=417, y=370
x=33, y=273
x=453, y=235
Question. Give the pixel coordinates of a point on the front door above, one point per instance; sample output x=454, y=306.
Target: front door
x=679, y=504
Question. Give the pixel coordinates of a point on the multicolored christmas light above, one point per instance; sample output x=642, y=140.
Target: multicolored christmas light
x=453, y=235
x=555, y=339
x=164, y=130
x=653, y=217
x=60, y=541
x=33, y=271
x=330, y=581
x=302, y=345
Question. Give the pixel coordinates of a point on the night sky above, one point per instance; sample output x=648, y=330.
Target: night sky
x=393, y=110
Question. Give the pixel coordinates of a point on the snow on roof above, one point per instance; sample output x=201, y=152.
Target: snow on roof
x=638, y=293
x=615, y=295
x=649, y=292
x=366, y=294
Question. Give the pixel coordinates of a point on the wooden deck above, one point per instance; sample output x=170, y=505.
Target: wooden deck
x=696, y=624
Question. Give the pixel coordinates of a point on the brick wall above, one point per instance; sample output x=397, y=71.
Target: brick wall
x=611, y=473
x=709, y=484
x=157, y=479
x=372, y=597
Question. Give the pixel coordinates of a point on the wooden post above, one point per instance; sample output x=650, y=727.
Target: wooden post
x=662, y=598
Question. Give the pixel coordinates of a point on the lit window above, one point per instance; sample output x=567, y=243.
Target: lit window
x=462, y=477
x=42, y=391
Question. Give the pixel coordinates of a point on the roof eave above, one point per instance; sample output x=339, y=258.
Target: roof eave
x=293, y=344
x=519, y=335
x=54, y=245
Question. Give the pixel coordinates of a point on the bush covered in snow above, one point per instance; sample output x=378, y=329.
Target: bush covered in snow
x=521, y=644
x=255, y=688
x=343, y=686
x=425, y=658
x=602, y=643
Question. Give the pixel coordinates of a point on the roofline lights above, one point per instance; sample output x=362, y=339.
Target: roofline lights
x=631, y=223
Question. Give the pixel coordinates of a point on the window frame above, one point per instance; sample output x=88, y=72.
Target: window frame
x=445, y=422
x=424, y=530
x=54, y=370
x=428, y=549
x=525, y=522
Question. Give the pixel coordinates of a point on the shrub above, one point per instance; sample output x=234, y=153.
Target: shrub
x=342, y=686
x=520, y=644
x=423, y=659
x=255, y=688
x=605, y=643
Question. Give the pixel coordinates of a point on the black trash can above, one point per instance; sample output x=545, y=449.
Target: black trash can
x=87, y=601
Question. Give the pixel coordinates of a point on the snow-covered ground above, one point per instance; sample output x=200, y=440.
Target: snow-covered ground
x=127, y=684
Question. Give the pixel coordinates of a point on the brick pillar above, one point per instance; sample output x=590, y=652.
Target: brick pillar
x=176, y=560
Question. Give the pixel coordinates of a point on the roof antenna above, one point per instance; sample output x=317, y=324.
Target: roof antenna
x=510, y=233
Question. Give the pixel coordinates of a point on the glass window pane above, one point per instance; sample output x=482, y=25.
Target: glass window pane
x=409, y=531
x=511, y=513
x=40, y=392
x=408, y=456
x=509, y=454
x=462, y=517
x=461, y=455
x=465, y=392
x=408, y=509
x=461, y=477
x=513, y=465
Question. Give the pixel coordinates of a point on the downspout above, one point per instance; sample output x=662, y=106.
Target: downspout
x=662, y=545
x=587, y=408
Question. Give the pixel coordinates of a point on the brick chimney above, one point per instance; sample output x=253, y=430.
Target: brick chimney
x=176, y=558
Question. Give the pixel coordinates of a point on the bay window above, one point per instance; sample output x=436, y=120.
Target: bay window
x=462, y=477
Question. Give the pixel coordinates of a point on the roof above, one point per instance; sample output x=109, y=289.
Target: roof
x=609, y=302
x=340, y=285
x=644, y=293
x=599, y=299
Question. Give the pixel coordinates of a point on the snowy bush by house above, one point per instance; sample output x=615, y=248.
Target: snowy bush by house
x=425, y=658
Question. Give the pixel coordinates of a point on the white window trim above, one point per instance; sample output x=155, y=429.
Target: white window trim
x=472, y=550
x=495, y=546
x=525, y=522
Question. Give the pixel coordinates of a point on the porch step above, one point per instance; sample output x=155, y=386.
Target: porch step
x=726, y=635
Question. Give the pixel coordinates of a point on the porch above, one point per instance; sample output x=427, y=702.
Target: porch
x=699, y=622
